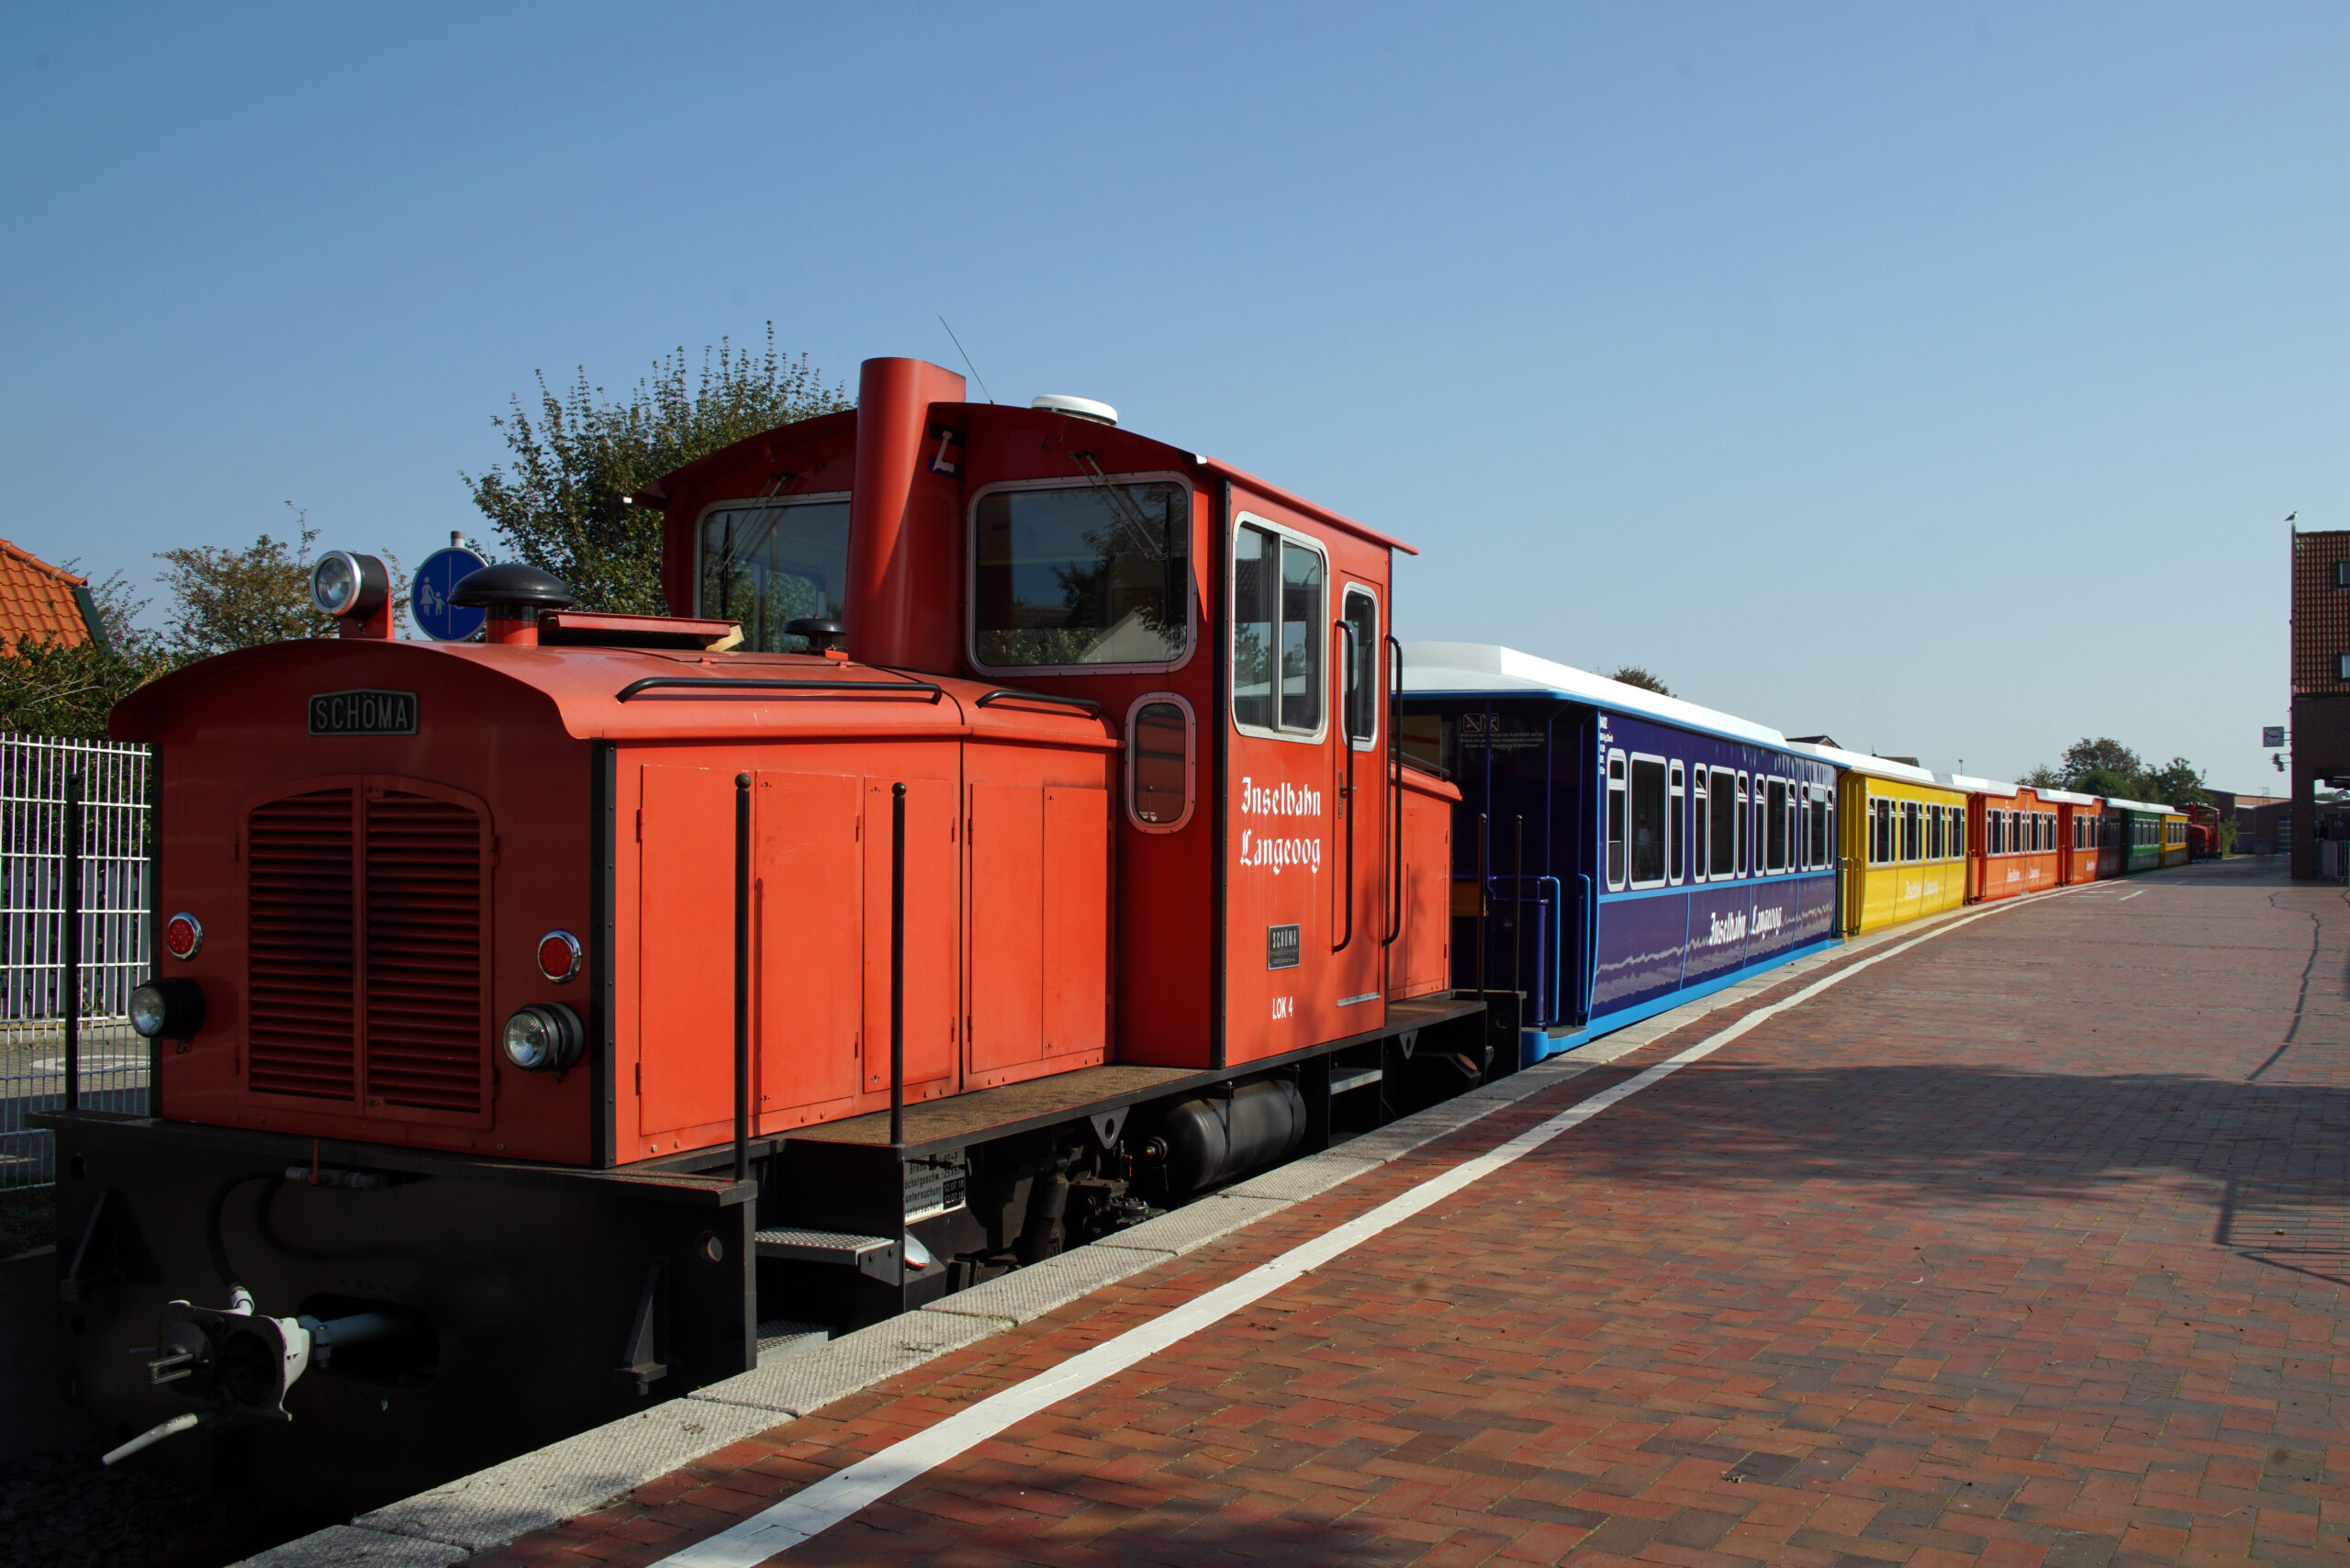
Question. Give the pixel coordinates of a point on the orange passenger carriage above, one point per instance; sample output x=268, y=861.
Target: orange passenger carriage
x=2013, y=839
x=2079, y=821
x=1004, y=841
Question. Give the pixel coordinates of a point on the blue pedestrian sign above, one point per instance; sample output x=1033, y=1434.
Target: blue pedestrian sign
x=429, y=595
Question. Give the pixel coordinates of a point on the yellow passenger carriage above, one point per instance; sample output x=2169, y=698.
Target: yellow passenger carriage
x=1903, y=840
x=2174, y=838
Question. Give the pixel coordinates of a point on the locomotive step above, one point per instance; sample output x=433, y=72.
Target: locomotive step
x=874, y=1256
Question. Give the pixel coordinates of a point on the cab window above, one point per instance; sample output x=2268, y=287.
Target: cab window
x=1159, y=762
x=1082, y=576
x=1278, y=633
x=766, y=564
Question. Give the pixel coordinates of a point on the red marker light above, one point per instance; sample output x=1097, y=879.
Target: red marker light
x=559, y=956
x=183, y=937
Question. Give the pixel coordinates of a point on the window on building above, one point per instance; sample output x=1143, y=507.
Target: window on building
x=1648, y=822
x=2342, y=667
x=1676, y=826
x=1616, y=819
x=1091, y=574
x=1277, y=632
x=766, y=564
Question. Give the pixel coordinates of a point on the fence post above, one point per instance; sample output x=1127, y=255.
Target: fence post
x=72, y=918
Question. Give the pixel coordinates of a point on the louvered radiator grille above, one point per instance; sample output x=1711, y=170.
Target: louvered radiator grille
x=424, y=1022
x=422, y=899
x=298, y=887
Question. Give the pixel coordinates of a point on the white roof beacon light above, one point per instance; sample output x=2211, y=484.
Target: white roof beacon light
x=1076, y=407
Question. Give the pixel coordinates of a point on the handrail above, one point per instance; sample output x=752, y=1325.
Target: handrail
x=1087, y=703
x=715, y=683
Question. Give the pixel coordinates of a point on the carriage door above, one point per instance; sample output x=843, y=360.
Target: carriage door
x=1357, y=793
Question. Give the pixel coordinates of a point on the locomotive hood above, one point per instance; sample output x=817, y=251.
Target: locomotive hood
x=360, y=687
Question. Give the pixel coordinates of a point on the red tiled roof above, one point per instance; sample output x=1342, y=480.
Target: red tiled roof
x=37, y=600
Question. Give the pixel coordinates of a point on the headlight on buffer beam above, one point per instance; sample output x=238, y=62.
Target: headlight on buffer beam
x=167, y=1009
x=545, y=1036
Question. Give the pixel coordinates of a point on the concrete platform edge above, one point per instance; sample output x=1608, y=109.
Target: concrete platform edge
x=540, y=1489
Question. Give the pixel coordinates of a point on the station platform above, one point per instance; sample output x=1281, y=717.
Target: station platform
x=2016, y=1236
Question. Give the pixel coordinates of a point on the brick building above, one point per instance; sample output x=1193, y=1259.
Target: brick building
x=2321, y=659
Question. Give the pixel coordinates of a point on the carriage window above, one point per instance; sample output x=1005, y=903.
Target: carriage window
x=1818, y=831
x=1360, y=648
x=1615, y=819
x=1933, y=833
x=1700, y=824
x=1159, y=765
x=1648, y=820
x=1082, y=575
x=1676, y=827
x=1774, y=825
x=1957, y=833
x=1788, y=795
x=1722, y=849
x=1277, y=632
x=1745, y=854
x=766, y=564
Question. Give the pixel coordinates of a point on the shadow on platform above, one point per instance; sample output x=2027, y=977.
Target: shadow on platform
x=2276, y=1155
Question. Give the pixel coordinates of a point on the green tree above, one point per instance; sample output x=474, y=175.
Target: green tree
x=562, y=503
x=2099, y=756
x=2177, y=782
x=48, y=689
x=223, y=600
x=1633, y=675
x=2042, y=778
x=119, y=610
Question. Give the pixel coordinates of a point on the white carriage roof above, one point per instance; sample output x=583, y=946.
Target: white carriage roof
x=1973, y=786
x=2068, y=797
x=2121, y=805
x=1862, y=762
x=1488, y=669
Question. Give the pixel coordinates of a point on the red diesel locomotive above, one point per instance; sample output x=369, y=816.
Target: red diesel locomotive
x=1004, y=841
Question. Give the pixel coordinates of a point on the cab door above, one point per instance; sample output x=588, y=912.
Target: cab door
x=1360, y=802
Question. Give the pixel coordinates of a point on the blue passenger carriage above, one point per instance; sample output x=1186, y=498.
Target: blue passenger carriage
x=1634, y=850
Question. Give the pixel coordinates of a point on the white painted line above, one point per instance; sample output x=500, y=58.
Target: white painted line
x=816, y=1508
x=2127, y=897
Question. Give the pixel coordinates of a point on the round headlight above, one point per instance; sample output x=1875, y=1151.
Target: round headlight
x=544, y=1037
x=345, y=586
x=167, y=1009
x=334, y=582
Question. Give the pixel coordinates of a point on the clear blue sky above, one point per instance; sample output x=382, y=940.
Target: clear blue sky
x=1936, y=376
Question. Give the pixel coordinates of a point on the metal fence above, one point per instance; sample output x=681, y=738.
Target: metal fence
x=114, y=928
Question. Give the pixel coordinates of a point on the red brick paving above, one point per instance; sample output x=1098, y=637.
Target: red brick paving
x=2025, y=1247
